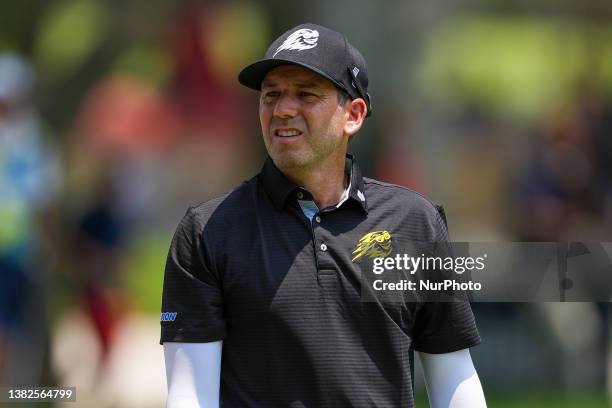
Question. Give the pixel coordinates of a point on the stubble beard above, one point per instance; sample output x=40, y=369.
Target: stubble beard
x=304, y=159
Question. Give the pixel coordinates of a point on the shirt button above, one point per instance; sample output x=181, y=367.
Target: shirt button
x=300, y=195
x=323, y=247
x=318, y=219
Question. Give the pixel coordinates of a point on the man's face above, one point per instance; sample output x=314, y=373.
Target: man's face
x=301, y=120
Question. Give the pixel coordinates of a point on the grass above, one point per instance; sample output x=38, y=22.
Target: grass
x=537, y=400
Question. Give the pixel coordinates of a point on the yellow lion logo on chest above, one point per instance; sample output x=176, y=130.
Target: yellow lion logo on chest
x=376, y=244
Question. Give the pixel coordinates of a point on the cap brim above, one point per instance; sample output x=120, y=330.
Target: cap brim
x=252, y=75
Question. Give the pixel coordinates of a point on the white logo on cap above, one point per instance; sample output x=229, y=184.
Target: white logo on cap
x=302, y=39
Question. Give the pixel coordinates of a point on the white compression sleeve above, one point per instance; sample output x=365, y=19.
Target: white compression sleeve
x=193, y=372
x=452, y=381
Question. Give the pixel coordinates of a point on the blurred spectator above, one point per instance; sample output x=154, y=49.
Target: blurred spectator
x=204, y=85
x=29, y=180
x=398, y=159
x=564, y=190
x=99, y=242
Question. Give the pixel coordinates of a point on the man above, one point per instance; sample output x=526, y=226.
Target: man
x=262, y=292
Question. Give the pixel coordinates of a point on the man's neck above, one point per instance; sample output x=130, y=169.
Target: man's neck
x=325, y=183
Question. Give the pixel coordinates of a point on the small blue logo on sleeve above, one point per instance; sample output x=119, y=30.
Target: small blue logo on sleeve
x=168, y=316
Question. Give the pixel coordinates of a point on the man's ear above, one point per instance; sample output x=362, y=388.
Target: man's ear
x=357, y=110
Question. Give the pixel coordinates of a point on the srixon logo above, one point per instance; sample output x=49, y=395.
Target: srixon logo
x=168, y=316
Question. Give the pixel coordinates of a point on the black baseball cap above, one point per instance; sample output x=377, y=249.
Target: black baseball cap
x=319, y=49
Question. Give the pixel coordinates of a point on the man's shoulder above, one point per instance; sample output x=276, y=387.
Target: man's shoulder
x=224, y=207
x=380, y=193
x=397, y=194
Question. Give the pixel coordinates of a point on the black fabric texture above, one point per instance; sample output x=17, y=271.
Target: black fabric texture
x=248, y=268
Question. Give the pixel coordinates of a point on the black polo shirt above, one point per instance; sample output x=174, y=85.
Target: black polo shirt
x=284, y=294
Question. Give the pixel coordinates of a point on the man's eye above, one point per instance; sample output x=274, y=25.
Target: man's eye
x=306, y=94
x=271, y=94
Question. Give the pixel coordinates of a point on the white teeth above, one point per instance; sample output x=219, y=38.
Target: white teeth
x=285, y=133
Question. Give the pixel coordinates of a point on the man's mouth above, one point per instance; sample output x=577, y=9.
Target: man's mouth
x=287, y=132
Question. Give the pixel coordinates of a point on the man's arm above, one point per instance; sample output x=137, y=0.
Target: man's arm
x=451, y=380
x=193, y=372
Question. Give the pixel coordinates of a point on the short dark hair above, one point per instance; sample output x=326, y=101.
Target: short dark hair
x=343, y=96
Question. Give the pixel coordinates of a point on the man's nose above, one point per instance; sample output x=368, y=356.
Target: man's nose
x=286, y=106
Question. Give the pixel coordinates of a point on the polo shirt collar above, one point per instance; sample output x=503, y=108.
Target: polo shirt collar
x=357, y=188
x=280, y=188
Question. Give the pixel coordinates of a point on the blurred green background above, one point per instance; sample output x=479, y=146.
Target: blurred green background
x=115, y=116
